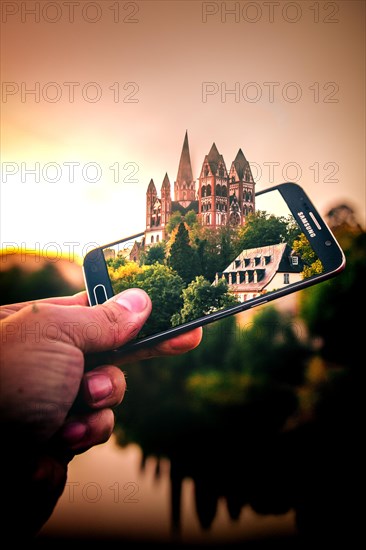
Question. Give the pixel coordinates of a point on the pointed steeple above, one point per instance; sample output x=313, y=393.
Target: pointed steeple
x=239, y=164
x=166, y=183
x=214, y=158
x=184, y=186
x=166, y=202
x=185, y=168
x=151, y=188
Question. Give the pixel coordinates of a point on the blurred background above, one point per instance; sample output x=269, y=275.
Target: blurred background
x=255, y=436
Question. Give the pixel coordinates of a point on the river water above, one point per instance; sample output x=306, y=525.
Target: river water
x=110, y=494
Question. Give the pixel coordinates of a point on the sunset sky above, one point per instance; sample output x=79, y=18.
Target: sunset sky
x=117, y=84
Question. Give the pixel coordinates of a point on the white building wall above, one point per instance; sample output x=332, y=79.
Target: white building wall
x=278, y=281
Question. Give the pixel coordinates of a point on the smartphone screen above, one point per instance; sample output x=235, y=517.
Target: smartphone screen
x=199, y=272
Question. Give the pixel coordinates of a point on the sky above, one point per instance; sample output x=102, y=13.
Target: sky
x=97, y=96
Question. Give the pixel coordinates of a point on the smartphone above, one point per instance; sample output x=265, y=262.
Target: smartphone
x=202, y=272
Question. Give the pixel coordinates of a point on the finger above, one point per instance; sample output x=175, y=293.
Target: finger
x=178, y=345
x=79, y=299
x=90, y=329
x=113, y=323
x=103, y=387
x=82, y=432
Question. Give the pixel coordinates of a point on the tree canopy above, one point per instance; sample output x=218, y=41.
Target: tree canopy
x=201, y=298
x=183, y=258
x=263, y=229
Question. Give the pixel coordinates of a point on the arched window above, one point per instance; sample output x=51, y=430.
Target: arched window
x=221, y=171
x=218, y=190
x=152, y=239
x=208, y=190
x=157, y=238
x=203, y=191
x=224, y=191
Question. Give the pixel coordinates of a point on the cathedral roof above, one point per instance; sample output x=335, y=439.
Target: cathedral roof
x=240, y=163
x=177, y=206
x=166, y=182
x=185, y=168
x=213, y=158
x=151, y=187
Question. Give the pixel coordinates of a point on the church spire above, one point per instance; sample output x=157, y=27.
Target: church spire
x=184, y=188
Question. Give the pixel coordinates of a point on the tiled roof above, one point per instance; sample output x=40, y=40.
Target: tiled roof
x=276, y=261
x=193, y=205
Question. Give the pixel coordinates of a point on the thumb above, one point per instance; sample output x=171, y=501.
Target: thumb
x=91, y=329
x=112, y=324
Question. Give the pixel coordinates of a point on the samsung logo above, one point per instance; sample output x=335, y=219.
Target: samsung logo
x=307, y=225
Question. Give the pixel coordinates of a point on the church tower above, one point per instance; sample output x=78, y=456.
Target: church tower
x=184, y=186
x=213, y=190
x=166, y=204
x=153, y=233
x=151, y=196
x=241, y=189
x=223, y=198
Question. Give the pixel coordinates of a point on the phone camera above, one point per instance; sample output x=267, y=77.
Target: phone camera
x=328, y=243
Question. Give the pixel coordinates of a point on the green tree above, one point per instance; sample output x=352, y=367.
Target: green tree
x=329, y=308
x=175, y=219
x=115, y=263
x=124, y=277
x=155, y=253
x=215, y=249
x=312, y=264
x=191, y=218
x=201, y=297
x=163, y=285
x=262, y=229
x=292, y=230
x=183, y=259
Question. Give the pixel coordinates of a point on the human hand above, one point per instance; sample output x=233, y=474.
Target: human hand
x=46, y=346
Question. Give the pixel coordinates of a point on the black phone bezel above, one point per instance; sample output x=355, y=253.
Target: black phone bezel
x=331, y=256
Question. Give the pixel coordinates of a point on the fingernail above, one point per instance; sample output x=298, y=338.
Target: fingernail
x=73, y=432
x=133, y=299
x=99, y=386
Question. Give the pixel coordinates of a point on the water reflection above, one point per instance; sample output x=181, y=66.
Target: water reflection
x=258, y=420
x=255, y=421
